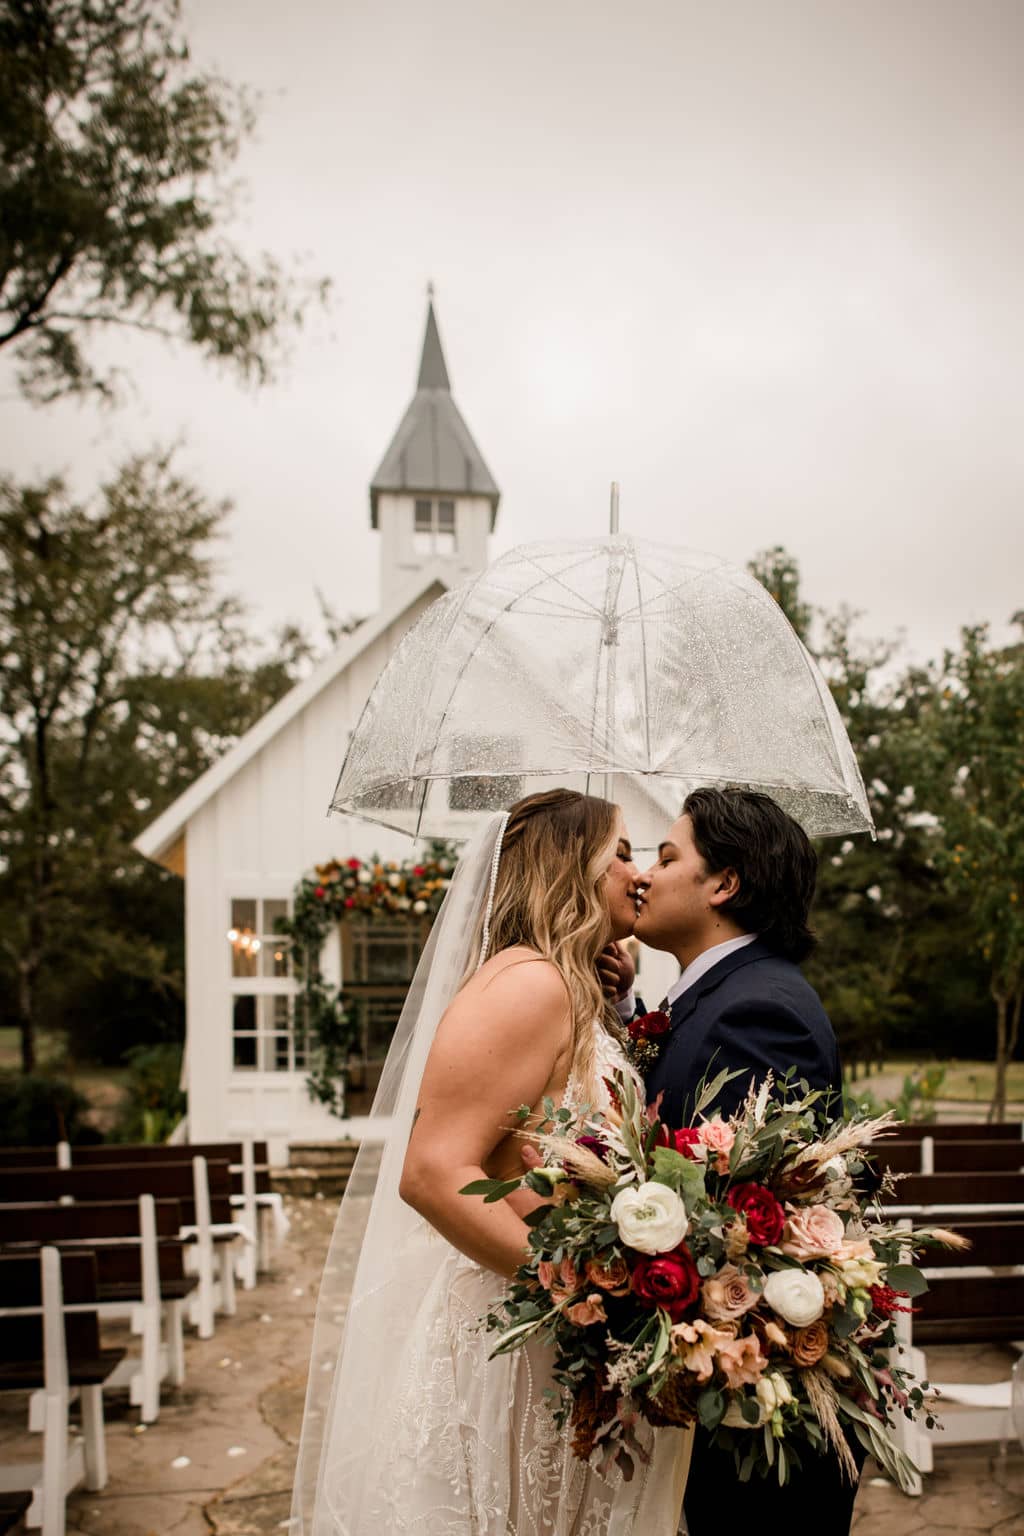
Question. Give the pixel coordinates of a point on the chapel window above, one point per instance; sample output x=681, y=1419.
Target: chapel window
x=434, y=527
x=266, y=1033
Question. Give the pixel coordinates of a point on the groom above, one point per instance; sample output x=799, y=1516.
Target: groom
x=729, y=898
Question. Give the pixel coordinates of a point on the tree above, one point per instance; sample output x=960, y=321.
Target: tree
x=124, y=674
x=974, y=730
x=779, y=573
x=113, y=153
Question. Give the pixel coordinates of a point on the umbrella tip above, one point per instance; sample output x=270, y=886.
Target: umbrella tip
x=614, y=518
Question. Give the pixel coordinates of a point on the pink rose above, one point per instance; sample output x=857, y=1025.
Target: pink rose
x=583, y=1313
x=812, y=1232
x=546, y=1273
x=727, y=1295
x=741, y=1361
x=718, y=1138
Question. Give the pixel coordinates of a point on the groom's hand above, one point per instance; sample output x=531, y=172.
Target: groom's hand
x=616, y=971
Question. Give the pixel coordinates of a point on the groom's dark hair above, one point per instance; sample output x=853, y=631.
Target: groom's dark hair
x=772, y=855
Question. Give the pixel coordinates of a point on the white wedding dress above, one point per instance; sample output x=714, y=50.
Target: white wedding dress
x=471, y=1448
x=410, y=1428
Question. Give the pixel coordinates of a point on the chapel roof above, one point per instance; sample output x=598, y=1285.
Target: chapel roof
x=433, y=451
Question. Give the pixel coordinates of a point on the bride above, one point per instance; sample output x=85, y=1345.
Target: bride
x=409, y=1426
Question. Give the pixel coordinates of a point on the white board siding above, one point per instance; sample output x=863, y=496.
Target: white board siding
x=255, y=837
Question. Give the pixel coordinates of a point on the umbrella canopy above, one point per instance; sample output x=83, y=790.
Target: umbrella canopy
x=600, y=664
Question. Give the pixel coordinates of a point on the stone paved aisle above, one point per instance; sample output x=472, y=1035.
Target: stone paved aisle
x=220, y=1458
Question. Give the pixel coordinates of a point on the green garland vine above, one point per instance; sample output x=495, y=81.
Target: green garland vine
x=338, y=890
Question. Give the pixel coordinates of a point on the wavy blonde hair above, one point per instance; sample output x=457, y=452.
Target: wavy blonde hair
x=550, y=897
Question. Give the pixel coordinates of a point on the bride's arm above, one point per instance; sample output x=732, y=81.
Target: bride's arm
x=496, y=1047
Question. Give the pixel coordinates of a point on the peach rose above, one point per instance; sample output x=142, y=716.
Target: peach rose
x=741, y=1361
x=612, y=1277
x=812, y=1232
x=718, y=1138
x=694, y=1345
x=810, y=1344
x=727, y=1295
x=583, y=1313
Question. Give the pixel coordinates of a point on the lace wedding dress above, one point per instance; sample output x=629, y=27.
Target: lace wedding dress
x=410, y=1429
x=471, y=1448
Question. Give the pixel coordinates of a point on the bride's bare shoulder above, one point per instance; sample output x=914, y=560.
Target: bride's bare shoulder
x=518, y=978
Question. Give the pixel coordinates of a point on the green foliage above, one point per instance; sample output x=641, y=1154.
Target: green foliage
x=124, y=674
x=916, y=1101
x=113, y=159
x=153, y=1102
x=779, y=574
x=973, y=731
x=37, y=1110
x=336, y=891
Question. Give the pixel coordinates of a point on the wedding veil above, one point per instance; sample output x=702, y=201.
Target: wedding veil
x=354, y=1365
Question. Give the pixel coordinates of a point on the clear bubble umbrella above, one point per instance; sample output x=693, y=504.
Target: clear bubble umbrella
x=614, y=665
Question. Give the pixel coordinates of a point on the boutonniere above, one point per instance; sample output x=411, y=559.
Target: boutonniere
x=647, y=1035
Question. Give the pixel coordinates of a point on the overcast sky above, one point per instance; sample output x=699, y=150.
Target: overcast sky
x=759, y=260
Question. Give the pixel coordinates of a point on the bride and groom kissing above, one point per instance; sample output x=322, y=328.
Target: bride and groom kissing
x=525, y=995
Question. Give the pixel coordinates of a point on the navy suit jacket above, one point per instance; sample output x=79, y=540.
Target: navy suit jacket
x=752, y=1012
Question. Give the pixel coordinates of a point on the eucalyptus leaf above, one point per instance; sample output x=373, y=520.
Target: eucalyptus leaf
x=906, y=1277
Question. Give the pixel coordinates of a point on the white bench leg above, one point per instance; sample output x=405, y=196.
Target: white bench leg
x=175, y=1342
x=151, y=1363
x=55, y=1465
x=226, y=1268
x=264, y=1238
x=95, y=1442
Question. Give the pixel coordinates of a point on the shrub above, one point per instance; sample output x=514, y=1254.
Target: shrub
x=37, y=1110
x=153, y=1102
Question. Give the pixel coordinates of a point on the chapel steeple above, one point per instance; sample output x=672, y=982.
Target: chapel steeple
x=433, y=497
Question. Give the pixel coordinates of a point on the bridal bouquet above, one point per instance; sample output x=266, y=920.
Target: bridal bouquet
x=727, y=1274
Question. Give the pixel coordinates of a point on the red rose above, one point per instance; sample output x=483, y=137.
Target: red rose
x=350, y=901
x=765, y=1216
x=685, y=1140
x=649, y=1026
x=320, y=893
x=669, y=1280
x=418, y=869
x=353, y=864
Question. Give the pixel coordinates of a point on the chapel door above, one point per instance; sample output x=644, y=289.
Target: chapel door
x=378, y=958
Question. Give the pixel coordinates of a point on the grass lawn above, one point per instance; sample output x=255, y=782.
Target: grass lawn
x=965, y=1081
x=102, y=1086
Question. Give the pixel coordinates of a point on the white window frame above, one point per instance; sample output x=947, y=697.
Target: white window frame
x=427, y=538
x=259, y=987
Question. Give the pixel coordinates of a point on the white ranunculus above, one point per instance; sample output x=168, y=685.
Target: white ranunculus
x=796, y=1295
x=650, y=1217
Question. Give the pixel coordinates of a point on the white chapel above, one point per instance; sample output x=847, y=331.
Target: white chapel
x=249, y=828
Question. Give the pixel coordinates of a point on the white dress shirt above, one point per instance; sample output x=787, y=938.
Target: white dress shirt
x=697, y=968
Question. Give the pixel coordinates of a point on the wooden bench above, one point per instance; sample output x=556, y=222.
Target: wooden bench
x=204, y=1190
x=261, y=1208
x=12, y=1506
x=140, y=1276
x=958, y=1130
x=49, y=1339
x=957, y=1194
x=974, y=1296
x=933, y=1155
